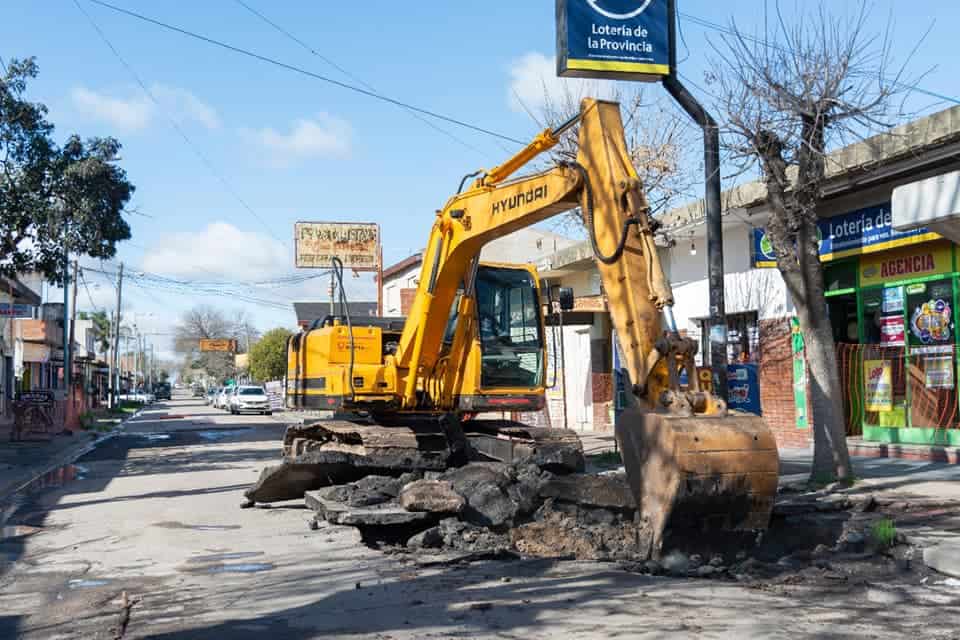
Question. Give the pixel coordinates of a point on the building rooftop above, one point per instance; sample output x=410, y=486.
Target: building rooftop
x=308, y=312
x=845, y=167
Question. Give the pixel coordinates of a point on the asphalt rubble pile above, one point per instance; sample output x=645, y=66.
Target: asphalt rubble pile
x=546, y=506
x=489, y=507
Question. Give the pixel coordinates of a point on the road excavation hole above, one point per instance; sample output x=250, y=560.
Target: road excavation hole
x=787, y=535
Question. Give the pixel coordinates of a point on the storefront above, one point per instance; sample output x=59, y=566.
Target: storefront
x=891, y=298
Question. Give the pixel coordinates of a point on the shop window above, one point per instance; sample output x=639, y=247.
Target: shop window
x=882, y=359
x=843, y=318
x=743, y=338
x=932, y=363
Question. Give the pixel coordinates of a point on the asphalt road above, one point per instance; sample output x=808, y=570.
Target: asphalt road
x=154, y=514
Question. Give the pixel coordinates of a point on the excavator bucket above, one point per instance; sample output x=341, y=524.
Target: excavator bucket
x=693, y=475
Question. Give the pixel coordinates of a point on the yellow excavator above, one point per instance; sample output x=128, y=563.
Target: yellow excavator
x=473, y=342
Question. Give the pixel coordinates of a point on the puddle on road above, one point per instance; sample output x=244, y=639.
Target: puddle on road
x=220, y=434
x=196, y=527
x=220, y=557
x=86, y=583
x=18, y=531
x=239, y=567
x=58, y=477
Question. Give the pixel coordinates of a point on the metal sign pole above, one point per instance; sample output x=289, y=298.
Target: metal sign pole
x=717, y=338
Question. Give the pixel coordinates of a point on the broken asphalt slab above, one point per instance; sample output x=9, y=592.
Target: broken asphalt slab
x=385, y=515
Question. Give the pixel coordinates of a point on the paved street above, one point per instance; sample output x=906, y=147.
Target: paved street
x=155, y=514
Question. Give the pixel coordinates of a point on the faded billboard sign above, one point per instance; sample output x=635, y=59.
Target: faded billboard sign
x=356, y=244
x=210, y=344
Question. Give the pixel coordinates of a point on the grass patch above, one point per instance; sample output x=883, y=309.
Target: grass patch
x=883, y=533
x=99, y=421
x=126, y=408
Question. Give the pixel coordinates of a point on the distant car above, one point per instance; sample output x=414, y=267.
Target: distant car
x=162, y=390
x=223, y=398
x=140, y=396
x=250, y=399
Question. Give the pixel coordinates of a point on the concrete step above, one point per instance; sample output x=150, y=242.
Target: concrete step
x=926, y=453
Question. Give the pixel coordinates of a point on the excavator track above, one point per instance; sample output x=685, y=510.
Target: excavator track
x=508, y=441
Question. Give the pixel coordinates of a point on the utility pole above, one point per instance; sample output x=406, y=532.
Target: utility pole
x=68, y=355
x=115, y=378
x=66, y=314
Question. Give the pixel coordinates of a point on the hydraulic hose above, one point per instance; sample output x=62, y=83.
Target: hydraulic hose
x=345, y=307
x=588, y=218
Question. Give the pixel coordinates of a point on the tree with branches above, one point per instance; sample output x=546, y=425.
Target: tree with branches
x=660, y=139
x=50, y=194
x=206, y=322
x=788, y=97
x=268, y=357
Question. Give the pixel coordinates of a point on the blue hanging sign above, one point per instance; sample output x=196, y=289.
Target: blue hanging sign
x=862, y=231
x=743, y=388
x=624, y=39
x=13, y=310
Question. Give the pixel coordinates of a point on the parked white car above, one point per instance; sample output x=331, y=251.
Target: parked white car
x=137, y=396
x=250, y=399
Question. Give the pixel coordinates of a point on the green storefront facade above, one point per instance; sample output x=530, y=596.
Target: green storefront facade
x=893, y=318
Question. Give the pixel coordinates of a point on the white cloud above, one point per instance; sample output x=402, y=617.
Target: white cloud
x=534, y=84
x=219, y=251
x=128, y=114
x=135, y=111
x=185, y=106
x=322, y=136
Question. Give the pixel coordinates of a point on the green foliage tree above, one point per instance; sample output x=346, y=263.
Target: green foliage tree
x=268, y=357
x=51, y=194
x=103, y=330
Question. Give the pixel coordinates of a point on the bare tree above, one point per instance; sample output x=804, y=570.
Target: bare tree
x=788, y=96
x=661, y=142
x=204, y=322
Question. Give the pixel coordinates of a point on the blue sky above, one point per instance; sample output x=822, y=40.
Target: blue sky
x=293, y=148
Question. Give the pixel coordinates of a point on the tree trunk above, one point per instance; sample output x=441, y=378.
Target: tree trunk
x=831, y=460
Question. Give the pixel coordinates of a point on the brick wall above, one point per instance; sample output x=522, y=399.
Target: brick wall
x=776, y=384
x=602, y=384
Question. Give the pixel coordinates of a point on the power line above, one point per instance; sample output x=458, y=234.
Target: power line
x=203, y=158
x=87, y=289
x=305, y=72
x=342, y=70
x=737, y=34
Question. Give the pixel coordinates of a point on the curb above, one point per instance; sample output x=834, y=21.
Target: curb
x=69, y=457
